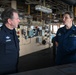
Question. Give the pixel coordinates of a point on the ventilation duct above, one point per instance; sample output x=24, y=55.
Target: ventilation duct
x=43, y=9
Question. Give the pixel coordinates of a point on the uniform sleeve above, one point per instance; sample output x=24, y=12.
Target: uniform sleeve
x=2, y=45
x=1, y=39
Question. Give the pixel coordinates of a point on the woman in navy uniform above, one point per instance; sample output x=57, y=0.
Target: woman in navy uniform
x=9, y=43
x=66, y=41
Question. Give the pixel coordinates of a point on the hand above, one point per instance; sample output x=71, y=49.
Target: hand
x=56, y=43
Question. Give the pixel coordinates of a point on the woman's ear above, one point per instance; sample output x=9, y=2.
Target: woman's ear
x=72, y=19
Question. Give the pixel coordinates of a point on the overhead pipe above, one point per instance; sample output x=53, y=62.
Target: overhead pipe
x=70, y=2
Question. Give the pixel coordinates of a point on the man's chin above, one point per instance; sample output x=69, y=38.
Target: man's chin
x=16, y=26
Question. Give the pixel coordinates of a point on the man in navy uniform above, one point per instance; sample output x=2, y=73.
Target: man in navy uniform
x=9, y=43
x=66, y=41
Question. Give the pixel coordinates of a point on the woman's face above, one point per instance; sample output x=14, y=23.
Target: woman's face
x=67, y=20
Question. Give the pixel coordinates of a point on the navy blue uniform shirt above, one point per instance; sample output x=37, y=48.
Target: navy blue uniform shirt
x=9, y=50
x=66, y=50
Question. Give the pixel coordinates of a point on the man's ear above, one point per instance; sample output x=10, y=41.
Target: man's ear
x=9, y=21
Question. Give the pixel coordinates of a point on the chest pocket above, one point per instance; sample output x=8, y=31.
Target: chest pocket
x=60, y=38
x=72, y=40
x=10, y=47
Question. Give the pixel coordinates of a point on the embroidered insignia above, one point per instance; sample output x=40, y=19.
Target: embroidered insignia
x=59, y=34
x=73, y=35
x=8, y=39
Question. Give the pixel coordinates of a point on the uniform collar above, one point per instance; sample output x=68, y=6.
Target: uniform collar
x=72, y=28
x=8, y=30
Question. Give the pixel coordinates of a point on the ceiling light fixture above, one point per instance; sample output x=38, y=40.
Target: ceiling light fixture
x=43, y=9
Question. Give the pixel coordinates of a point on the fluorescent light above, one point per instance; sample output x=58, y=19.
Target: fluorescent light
x=43, y=9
